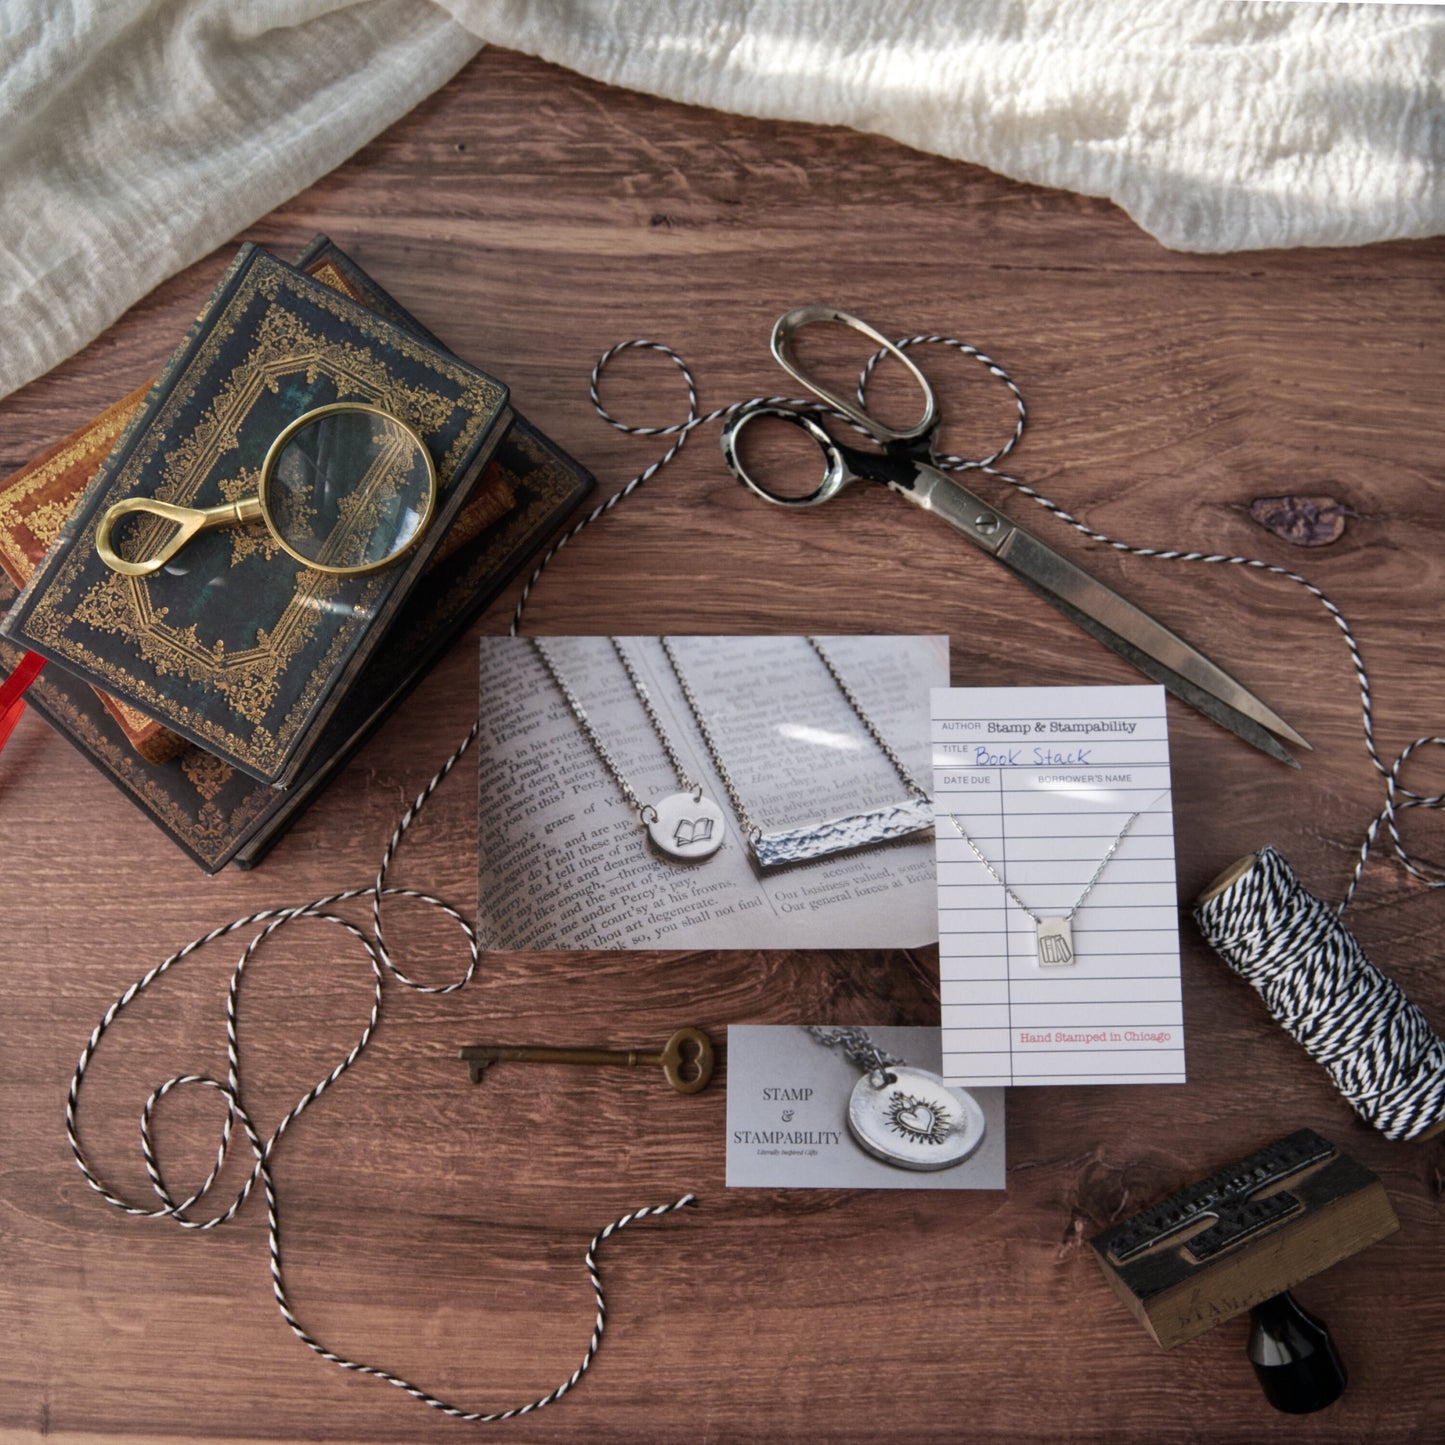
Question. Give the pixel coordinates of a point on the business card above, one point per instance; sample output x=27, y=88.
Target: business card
x=823, y=1107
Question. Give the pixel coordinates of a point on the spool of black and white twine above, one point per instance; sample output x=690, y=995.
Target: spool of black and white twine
x=1315, y=979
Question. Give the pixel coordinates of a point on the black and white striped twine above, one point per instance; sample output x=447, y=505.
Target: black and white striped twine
x=1316, y=981
x=382, y=963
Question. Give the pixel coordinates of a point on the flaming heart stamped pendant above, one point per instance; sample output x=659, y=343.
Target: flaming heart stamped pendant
x=911, y=1118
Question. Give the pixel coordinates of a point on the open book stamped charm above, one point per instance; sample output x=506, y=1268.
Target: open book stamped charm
x=1056, y=942
x=686, y=826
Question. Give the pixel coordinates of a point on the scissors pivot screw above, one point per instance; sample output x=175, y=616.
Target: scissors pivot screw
x=986, y=522
x=686, y=1058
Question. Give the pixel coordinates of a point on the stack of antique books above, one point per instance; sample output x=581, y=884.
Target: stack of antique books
x=222, y=691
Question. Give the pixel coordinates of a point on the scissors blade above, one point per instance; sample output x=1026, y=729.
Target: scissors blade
x=1156, y=651
x=1087, y=602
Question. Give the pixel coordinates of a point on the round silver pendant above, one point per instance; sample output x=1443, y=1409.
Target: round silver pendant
x=686, y=827
x=911, y=1118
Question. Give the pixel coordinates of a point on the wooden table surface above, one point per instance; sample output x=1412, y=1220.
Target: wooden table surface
x=534, y=218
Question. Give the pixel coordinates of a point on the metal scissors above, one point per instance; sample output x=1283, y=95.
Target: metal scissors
x=906, y=464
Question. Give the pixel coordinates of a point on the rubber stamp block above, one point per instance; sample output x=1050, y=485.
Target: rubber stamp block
x=1242, y=1236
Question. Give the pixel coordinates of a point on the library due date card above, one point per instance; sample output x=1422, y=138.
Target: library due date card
x=1058, y=927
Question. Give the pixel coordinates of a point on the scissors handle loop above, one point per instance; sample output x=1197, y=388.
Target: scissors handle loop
x=189, y=521
x=836, y=474
x=786, y=328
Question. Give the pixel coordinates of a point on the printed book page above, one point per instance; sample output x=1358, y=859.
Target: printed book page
x=565, y=861
x=1045, y=782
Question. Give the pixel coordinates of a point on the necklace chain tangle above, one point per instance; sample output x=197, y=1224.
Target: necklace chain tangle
x=905, y=1116
x=687, y=825
x=1053, y=933
x=824, y=837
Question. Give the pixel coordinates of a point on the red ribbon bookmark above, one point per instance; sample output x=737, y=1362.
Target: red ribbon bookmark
x=12, y=693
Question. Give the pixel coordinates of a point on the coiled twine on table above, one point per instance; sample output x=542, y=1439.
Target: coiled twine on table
x=1320, y=987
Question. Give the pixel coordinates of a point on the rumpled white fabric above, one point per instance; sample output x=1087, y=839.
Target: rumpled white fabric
x=138, y=135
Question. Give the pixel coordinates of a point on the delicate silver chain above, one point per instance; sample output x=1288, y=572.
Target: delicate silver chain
x=750, y=828
x=752, y=831
x=1088, y=887
x=873, y=729
x=857, y=1046
x=645, y=698
x=647, y=812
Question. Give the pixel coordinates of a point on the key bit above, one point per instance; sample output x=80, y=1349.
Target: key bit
x=686, y=1058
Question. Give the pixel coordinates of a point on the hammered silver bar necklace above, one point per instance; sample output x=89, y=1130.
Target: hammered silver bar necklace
x=904, y=1116
x=827, y=836
x=685, y=825
x=1054, y=935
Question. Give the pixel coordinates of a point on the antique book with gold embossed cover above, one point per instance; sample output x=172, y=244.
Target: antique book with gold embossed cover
x=235, y=645
x=215, y=813
x=34, y=503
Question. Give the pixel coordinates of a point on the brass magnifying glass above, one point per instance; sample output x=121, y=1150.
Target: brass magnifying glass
x=346, y=488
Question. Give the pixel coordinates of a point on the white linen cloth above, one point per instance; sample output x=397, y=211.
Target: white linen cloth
x=138, y=135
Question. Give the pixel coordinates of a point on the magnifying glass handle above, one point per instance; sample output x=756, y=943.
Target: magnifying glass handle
x=190, y=522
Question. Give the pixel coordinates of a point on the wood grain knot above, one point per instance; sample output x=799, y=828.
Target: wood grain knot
x=1304, y=521
x=1102, y=1192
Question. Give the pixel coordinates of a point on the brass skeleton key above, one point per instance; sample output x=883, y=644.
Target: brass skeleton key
x=686, y=1058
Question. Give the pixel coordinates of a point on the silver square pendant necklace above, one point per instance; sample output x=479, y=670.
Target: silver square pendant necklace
x=1053, y=934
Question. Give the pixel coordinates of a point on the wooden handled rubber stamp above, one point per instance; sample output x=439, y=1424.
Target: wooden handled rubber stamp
x=1240, y=1240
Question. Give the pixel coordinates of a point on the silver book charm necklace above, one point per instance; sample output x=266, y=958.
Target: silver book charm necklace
x=1054, y=934
x=904, y=1116
x=686, y=825
x=827, y=836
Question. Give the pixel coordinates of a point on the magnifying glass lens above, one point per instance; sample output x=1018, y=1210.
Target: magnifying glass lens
x=351, y=489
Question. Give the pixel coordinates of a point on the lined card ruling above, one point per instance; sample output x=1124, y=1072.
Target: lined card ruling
x=1057, y=904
